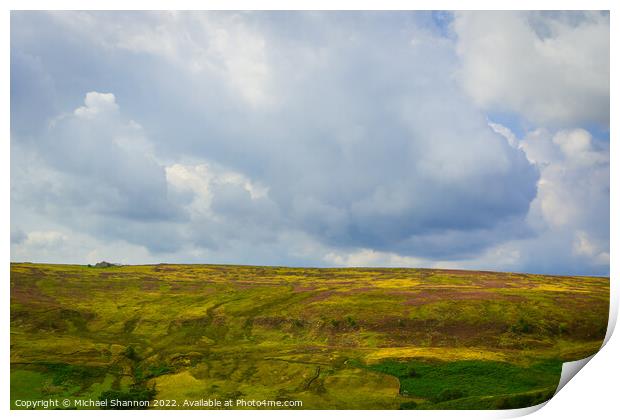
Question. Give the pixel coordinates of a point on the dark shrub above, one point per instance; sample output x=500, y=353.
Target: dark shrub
x=410, y=372
x=130, y=353
x=522, y=327
x=448, y=394
x=409, y=405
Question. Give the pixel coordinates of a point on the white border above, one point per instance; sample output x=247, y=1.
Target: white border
x=592, y=394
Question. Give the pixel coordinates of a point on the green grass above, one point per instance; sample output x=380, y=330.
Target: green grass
x=440, y=382
x=332, y=338
x=26, y=385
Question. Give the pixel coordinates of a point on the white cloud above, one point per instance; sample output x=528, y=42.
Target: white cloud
x=46, y=239
x=585, y=246
x=506, y=133
x=65, y=246
x=96, y=104
x=570, y=214
x=577, y=147
x=574, y=184
x=200, y=180
x=93, y=171
x=204, y=44
x=371, y=258
x=549, y=68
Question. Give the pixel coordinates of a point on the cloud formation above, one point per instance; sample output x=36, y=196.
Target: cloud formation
x=552, y=68
x=570, y=215
x=301, y=138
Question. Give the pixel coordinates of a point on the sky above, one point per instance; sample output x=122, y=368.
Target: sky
x=474, y=140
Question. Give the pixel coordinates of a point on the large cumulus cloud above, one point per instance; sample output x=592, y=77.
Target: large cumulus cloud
x=570, y=215
x=94, y=171
x=551, y=67
x=289, y=138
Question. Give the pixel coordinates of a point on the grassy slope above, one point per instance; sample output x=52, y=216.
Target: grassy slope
x=333, y=338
